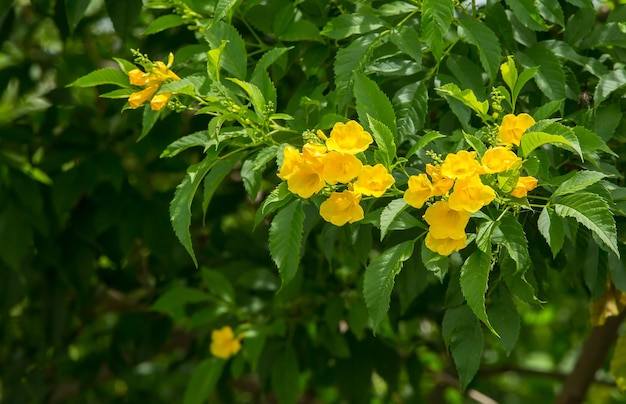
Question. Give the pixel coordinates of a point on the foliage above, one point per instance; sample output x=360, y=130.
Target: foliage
x=376, y=198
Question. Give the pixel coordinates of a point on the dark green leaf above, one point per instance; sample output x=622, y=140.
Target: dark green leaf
x=435, y=263
x=423, y=141
x=478, y=34
x=74, y=11
x=347, y=25
x=172, y=302
x=124, y=15
x=474, y=280
x=286, y=376
x=551, y=10
x=253, y=168
x=285, y=240
x=510, y=234
x=195, y=139
x=411, y=104
x=579, y=181
x=279, y=197
x=464, y=338
x=483, y=236
x=389, y=214
x=384, y=140
x=528, y=14
x=218, y=285
x=255, y=95
x=408, y=42
x=550, y=78
x=203, y=381
x=148, y=119
x=351, y=59
x=222, y=9
x=436, y=20
x=102, y=76
x=504, y=317
x=164, y=22
x=233, y=58
x=214, y=178
x=609, y=83
x=551, y=227
x=547, y=110
x=370, y=100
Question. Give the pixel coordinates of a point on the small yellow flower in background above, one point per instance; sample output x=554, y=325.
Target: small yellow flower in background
x=499, y=159
x=159, y=101
x=470, y=194
x=224, y=344
x=139, y=97
x=512, y=128
x=441, y=184
x=419, y=191
x=373, y=181
x=342, y=207
x=349, y=137
x=445, y=222
x=340, y=167
x=446, y=245
x=462, y=164
x=524, y=184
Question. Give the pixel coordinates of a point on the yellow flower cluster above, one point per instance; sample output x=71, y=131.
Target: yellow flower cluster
x=461, y=172
x=224, y=344
x=151, y=81
x=334, y=162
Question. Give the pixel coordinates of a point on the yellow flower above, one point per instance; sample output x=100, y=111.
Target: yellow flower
x=139, y=97
x=524, y=184
x=137, y=77
x=441, y=184
x=512, y=128
x=303, y=175
x=462, y=164
x=342, y=207
x=340, y=167
x=159, y=101
x=420, y=190
x=373, y=181
x=224, y=344
x=291, y=158
x=349, y=137
x=445, y=222
x=499, y=159
x=470, y=194
x=446, y=245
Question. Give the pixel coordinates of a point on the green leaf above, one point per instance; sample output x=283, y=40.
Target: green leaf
x=478, y=34
x=187, y=86
x=411, y=105
x=215, y=177
x=253, y=347
x=379, y=279
x=423, y=141
x=75, y=11
x=579, y=181
x=350, y=59
x=203, y=381
x=517, y=281
x=466, y=96
x=527, y=13
x=609, y=83
x=579, y=25
x=564, y=51
x=548, y=109
x=286, y=376
x=164, y=22
x=222, y=8
x=255, y=95
x=436, y=20
x=474, y=280
x=408, y=42
x=118, y=94
x=591, y=142
x=148, y=119
x=173, y=301
x=200, y=138
x=253, y=168
x=218, y=285
x=522, y=79
x=484, y=234
x=435, y=263
x=504, y=317
x=593, y=212
x=551, y=10
x=510, y=233
x=532, y=140
x=509, y=72
x=98, y=77
x=213, y=61
x=581, y=3
x=234, y=57
x=475, y=143
x=346, y=25
x=550, y=77
x=389, y=214
x=301, y=30
x=370, y=100
x=279, y=197
x=464, y=338
x=180, y=207
x=551, y=228
x=124, y=15
x=384, y=141
x=285, y=240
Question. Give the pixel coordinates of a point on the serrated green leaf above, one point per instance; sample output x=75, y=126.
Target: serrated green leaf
x=591, y=142
x=285, y=240
x=164, y=22
x=467, y=73
x=550, y=77
x=510, y=234
x=255, y=95
x=346, y=25
x=379, y=279
x=234, y=57
x=350, y=59
x=467, y=97
x=532, y=140
x=180, y=206
x=547, y=110
x=222, y=8
x=551, y=10
x=384, y=140
x=483, y=236
x=475, y=143
x=148, y=119
x=98, y=77
x=279, y=197
x=389, y=214
x=253, y=168
x=504, y=317
x=371, y=101
x=593, y=212
x=423, y=141
x=522, y=79
x=118, y=94
x=464, y=338
x=474, y=280
x=517, y=281
x=435, y=263
x=200, y=138
x=564, y=51
x=579, y=25
x=286, y=376
x=436, y=20
x=186, y=86
x=411, y=105
x=203, y=381
x=215, y=177
x=478, y=34
x=609, y=83
x=213, y=61
x=578, y=182
x=551, y=228
x=527, y=13
x=408, y=42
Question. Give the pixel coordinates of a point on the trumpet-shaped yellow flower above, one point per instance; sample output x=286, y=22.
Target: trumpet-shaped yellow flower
x=524, y=184
x=373, y=181
x=419, y=191
x=499, y=159
x=342, y=207
x=445, y=222
x=291, y=158
x=349, y=137
x=159, y=101
x=153, y=80
x=139, y=97
x=462, y=164
x=446, y=245
x=340, y=167
x=441, y=184
x=224, y=344
x=303, y=175
x=137, y=77
x=470, y=194
x=513, y=127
